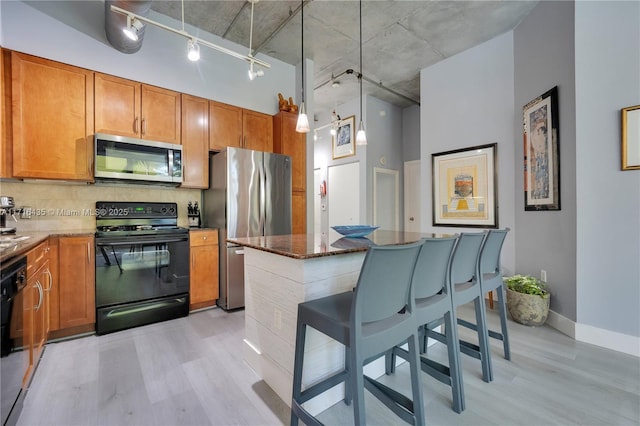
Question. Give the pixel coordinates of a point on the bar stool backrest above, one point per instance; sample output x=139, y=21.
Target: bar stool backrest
x=384, y=284
x=465, y=260
x=491, y=249
x=433, y=267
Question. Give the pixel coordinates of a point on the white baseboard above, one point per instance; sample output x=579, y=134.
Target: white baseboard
x=594, y=335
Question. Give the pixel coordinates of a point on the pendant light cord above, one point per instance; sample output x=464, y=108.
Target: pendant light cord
x=360, y=76
x=302, y=44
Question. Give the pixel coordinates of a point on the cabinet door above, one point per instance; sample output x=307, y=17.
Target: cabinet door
x=195, y=142
x=40, y=312
x=204, y=287
x=52, y=115
x=299, y=213
x=117, y=106
x=257, y=131
x=76, y=284
x=289, y=142
x=160, y=114
x=5, y=117
x=225, y=126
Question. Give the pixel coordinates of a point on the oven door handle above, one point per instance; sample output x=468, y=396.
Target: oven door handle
x=128, y=310
x=135, y=241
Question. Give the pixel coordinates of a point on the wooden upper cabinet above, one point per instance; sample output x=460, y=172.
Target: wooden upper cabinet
x=231, y=126
x=257, y=131
x=225, y=126
x=289, y=142
x=129, y=108
x=52, y=116
x=195, y=142
x=5, y=116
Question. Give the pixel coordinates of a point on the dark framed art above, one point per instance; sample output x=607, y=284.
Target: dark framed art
x=344, y=141
x=465, y=187
x=541, y=152
x=631, y=138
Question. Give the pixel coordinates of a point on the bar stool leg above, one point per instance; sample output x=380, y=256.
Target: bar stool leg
x=297, y=369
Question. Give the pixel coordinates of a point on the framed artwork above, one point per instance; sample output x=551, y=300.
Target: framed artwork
x=541, y=154
x=464, y=187
x=631, y=138
x=344, y=141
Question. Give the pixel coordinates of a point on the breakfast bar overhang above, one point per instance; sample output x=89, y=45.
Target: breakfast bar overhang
x=285, y=270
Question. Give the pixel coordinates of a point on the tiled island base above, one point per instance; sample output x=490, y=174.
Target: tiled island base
x=274, y=285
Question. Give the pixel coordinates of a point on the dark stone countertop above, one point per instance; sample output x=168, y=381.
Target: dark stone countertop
x=22, y=246
x=306, y=246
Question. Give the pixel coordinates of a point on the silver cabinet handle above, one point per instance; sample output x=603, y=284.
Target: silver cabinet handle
x=135, y=125
x=88, y=253
x=144, y=126
x=50, y=280
x=40, y=295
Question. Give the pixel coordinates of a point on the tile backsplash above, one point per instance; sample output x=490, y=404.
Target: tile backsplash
x=62, y=206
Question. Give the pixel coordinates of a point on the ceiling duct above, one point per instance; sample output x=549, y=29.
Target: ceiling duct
x=115, y=22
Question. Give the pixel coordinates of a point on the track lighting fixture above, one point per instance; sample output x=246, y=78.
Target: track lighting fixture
x=136, y=22
x=253, y=74
x=193, y=52
x=361, y=137
x=302, y=126
x=335, y=123
x=133, y=27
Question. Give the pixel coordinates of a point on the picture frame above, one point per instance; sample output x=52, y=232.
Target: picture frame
x=541, y=152
x=631, y=138
x=344, y=141
x=465, y=187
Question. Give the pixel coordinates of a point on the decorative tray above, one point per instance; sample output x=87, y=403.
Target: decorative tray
x=354, y=231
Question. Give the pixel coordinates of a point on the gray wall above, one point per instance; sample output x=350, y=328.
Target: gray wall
x=411, y=133
x=608, y=199
x=72, y=32
x=544, y=58
x=467, y=100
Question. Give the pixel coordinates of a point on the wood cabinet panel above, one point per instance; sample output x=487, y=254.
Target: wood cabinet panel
x=257, y=131
x=225, y=126
x=299, y=213
x=160, y=114
x=289, y=142
x=6, y=127
x=52, y=115
x=76, y=282
x=204, y=278
x=129, y=108
x=195, y=142
x=117, y=106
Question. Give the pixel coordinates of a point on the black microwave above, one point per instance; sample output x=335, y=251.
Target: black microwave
x=143, y=161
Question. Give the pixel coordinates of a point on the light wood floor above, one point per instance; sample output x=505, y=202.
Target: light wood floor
x=190, y=372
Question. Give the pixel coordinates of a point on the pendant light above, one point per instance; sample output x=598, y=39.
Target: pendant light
x=361, y=137
x=302, y=126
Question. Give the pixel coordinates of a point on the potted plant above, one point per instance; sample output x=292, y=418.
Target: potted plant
x=527, y=299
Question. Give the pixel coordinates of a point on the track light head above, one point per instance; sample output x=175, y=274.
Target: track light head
x=133, y=28
x=253, y=74
x=193, y=52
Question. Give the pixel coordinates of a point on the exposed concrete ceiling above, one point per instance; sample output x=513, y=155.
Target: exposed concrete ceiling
x=399, y=38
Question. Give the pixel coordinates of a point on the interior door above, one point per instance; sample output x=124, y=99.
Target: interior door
x=343, y=193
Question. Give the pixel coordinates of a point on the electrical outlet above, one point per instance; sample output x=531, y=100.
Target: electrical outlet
x=543, y=275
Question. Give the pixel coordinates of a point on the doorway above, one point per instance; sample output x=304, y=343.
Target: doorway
x=386, y=199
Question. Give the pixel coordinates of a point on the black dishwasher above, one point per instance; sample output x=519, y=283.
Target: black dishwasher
x=12, y=361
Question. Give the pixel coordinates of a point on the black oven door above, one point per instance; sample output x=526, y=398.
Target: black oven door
x=141, y=280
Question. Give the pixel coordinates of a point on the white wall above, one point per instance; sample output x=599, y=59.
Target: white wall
x=411, y=133
x=607, y=60
x=467, y=100
x=72, y=32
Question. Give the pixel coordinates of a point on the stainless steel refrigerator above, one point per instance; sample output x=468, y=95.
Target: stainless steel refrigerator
x=249, y=195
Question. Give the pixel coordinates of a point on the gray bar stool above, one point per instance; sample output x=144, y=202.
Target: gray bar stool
x=466, y=288
x=491, y=279
x=369, y=321
x=432, y=291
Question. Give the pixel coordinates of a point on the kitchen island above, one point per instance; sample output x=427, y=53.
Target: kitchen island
x=283, y=271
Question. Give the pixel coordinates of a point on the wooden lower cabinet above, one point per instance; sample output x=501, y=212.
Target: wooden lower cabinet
x=203, y=271
x=75, y=289
x=299, y=212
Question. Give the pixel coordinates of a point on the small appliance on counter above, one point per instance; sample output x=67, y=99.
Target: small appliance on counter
x=193, y=211
x=6, y=208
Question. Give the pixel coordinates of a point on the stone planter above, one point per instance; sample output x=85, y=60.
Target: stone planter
x=528, y=309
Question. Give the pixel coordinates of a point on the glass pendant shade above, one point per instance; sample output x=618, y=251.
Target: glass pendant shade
x=361, y=137
x=302, y=126
x=193, y=51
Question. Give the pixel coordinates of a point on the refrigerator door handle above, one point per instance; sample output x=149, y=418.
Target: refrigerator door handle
x=263, y=197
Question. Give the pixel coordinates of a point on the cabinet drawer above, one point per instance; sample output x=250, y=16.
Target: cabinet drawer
x=37, y=257
x=203, y=237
